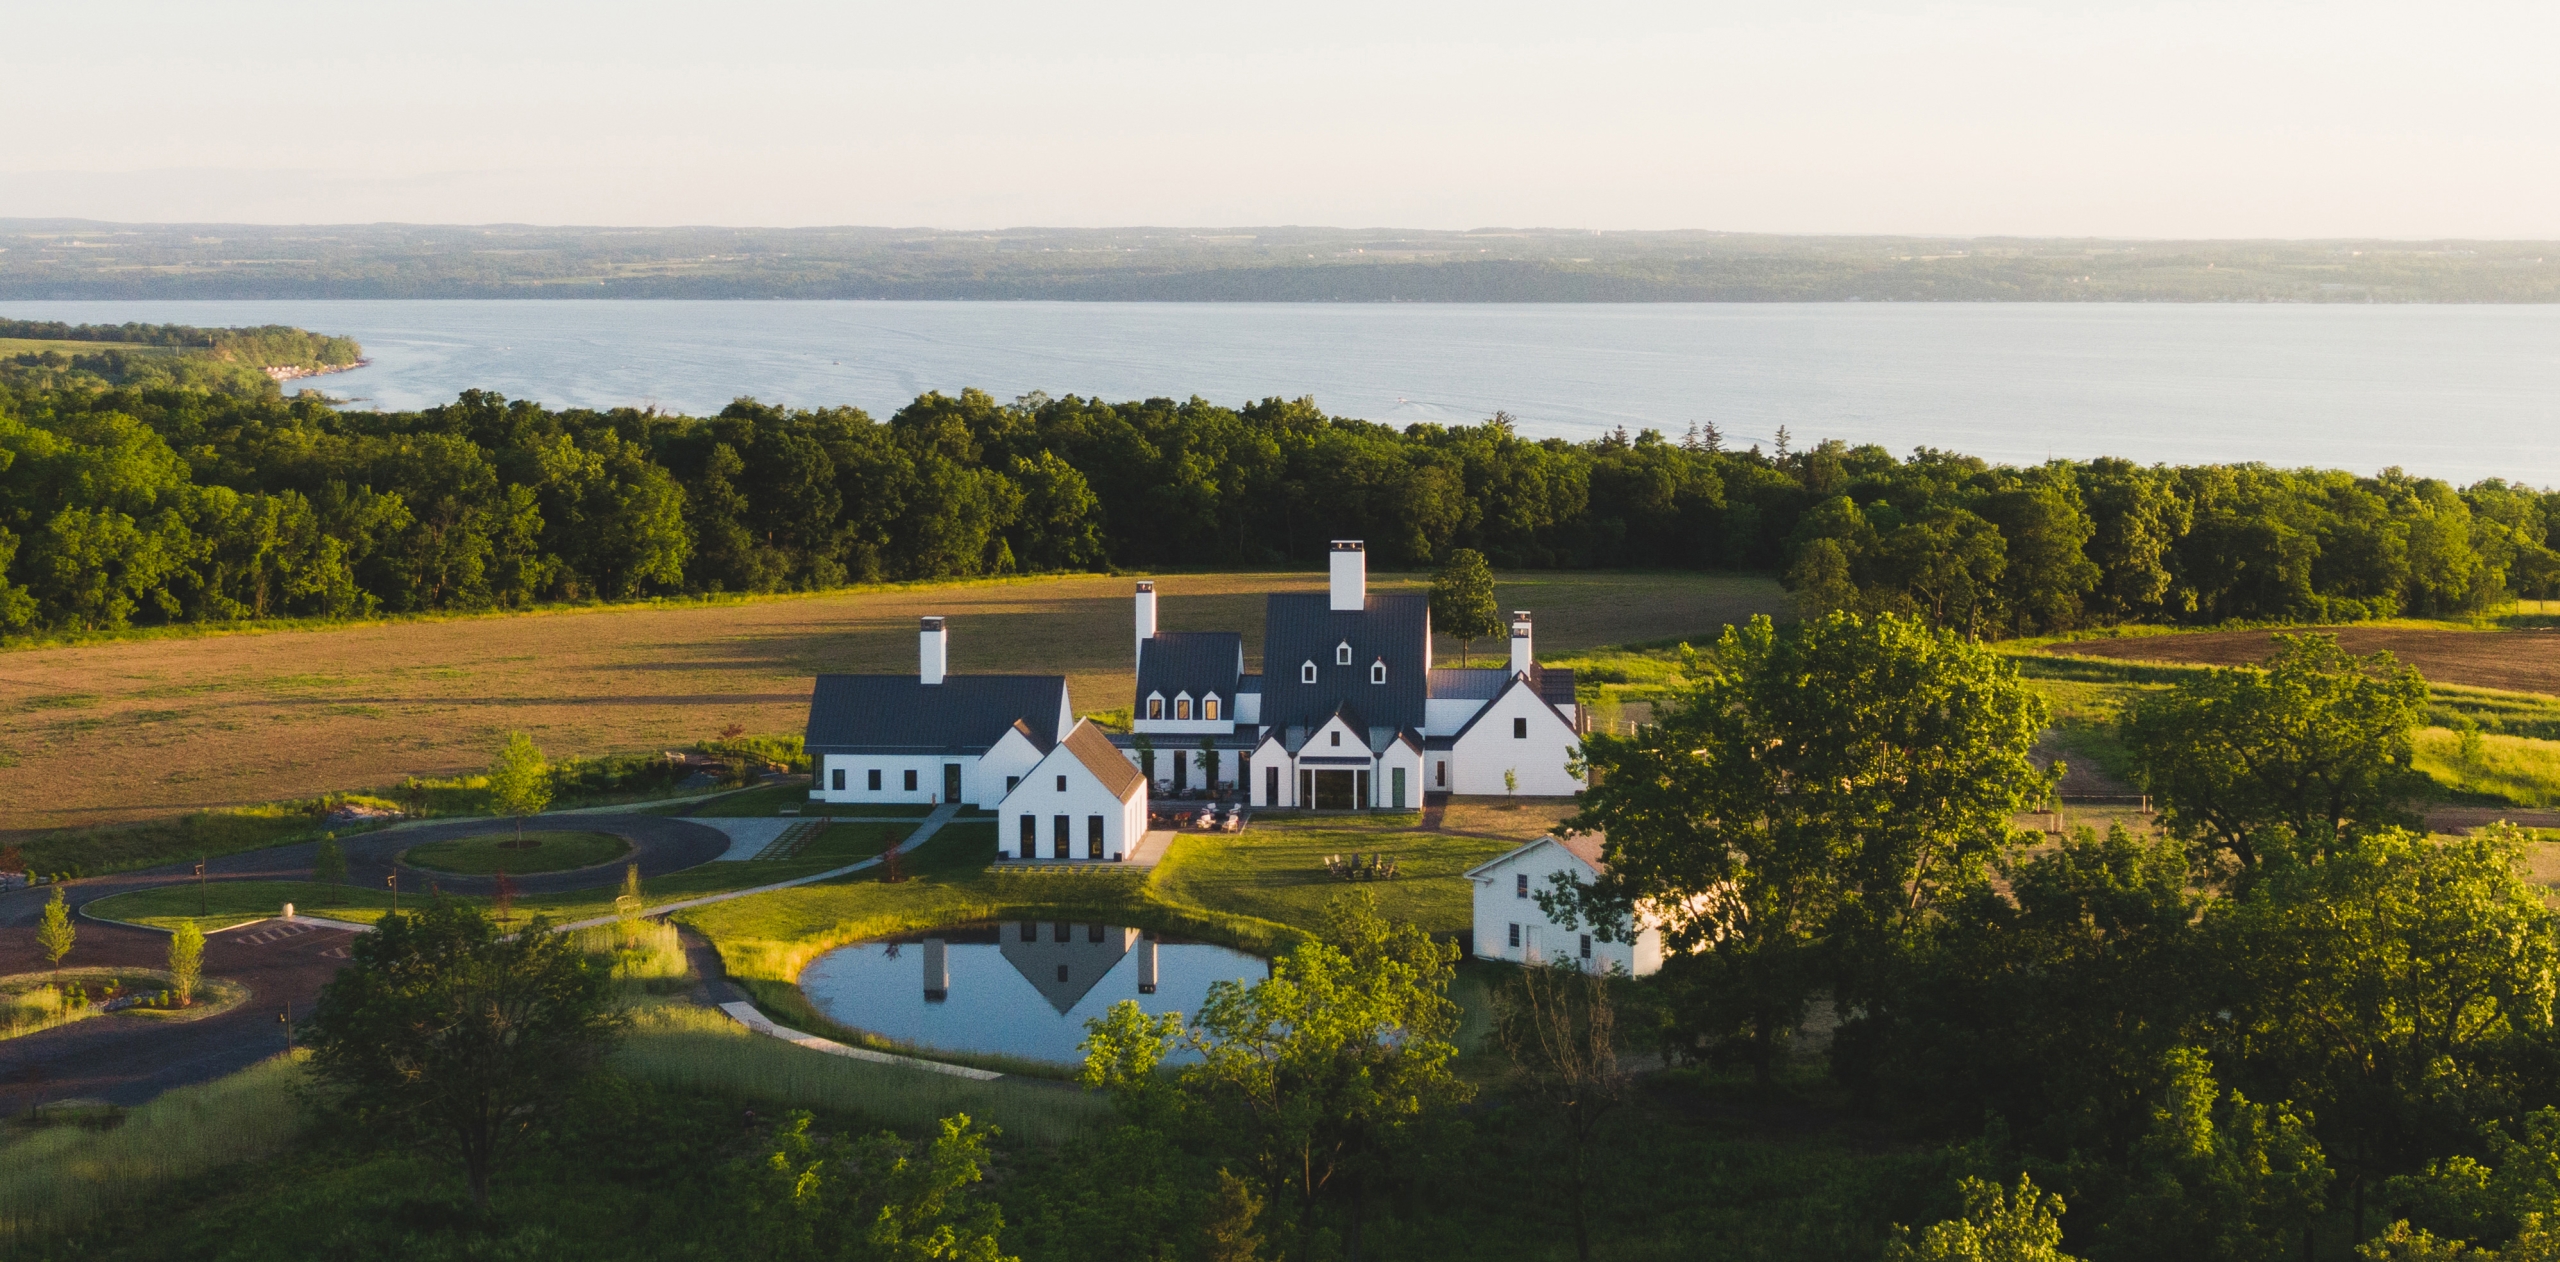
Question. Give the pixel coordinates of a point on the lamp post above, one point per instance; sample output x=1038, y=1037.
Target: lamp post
x=285, y=1019
x=393, y=880
x=200, y=894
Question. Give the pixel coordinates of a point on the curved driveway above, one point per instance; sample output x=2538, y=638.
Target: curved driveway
x=121, y=1060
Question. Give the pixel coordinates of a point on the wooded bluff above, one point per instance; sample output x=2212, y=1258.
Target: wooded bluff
x=140, y=505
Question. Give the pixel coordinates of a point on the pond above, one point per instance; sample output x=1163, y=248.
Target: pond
x=1021, y=988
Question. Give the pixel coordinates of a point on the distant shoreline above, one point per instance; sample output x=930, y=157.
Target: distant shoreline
x=293, y=372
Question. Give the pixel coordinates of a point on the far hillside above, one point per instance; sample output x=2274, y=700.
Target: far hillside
x=238, y=361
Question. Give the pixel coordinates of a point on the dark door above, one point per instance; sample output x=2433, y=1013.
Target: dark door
x=1030, y=835
x=951, y=782
x=1181, y=772
x=1058, y=846
x=1271, y=786
x=1333, y=791
x=1093, y=841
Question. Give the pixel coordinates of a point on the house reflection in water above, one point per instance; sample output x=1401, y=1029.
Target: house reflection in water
x=1063, y=960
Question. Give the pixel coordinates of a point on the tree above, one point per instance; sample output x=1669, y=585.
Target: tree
x=329, y=861
x=1318, y=1078
x=440, y=1029
x=1559, y=1026
x=56, y=932
x=1462, y=601
x=186, y=961
x=2216, y=1178
x=1228, y=1235
x=520, y=781
x=2303, y=752
x=1812, y=797
x=874, y=1199
x=1997, y=1226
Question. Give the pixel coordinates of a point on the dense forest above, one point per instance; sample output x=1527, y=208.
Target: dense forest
x=147, y=505
x=82, y=259
x=232, y=361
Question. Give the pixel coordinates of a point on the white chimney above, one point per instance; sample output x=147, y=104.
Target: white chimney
x=1146, y=614
x=933, y=652
x=1521, y=660
x=1350, y=576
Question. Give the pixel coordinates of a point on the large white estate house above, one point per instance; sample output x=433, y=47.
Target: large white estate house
x=1348, y=714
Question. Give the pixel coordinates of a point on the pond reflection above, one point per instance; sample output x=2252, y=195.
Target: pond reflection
x=1021, y=988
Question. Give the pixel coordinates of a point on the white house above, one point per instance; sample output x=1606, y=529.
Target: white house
x=1348, y=712
x=932, y=736
x=1511, y=926
x=1083, y=801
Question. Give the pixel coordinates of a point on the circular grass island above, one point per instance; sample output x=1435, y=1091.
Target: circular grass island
x=490, y=853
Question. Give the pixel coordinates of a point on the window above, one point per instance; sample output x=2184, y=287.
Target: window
x=1062, y=784
x=1342, y=653
x=1093, y=850
x=1519, y=729
x=838, y=783
x=1058, y=850
x=1093, y=933
x=1520, y=885
x=1062, y=974
x=1586, y=946
x=911, y=781
x=1010, y=781
x=1155, y=707
x=1030, y=850
x=1182, y=707
x=1058, y=931
x=1307, y=673
x=1378, y=671
x=1337, y=738
x=1440, y=773
x=875, y=779
x=1031, y=931
x=1209, y=706
x=1515, y=935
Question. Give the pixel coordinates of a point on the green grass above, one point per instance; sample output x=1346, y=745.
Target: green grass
x=763, y=800
x=225, y=903
x=1278, y=873
x=2515, y=770
x=540, y=851
x=201, y=834
x=58, y=1177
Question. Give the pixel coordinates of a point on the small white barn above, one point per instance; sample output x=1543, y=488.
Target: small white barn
x=1082, y=802
x=1511, y=926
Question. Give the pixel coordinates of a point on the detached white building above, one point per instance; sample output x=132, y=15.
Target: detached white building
x=1349, y=713
x=932, y=736
x=1511, y=926
x=1082, y=801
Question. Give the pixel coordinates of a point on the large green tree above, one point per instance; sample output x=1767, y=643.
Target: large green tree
x=1813, y=797
x=1462, y=600
x=466, y=1041
x=2303, y=752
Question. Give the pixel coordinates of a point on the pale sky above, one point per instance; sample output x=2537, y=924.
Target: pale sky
x=2145, y=120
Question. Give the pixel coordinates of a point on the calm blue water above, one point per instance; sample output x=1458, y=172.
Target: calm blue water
x=2462, y=392
x=1021, y=989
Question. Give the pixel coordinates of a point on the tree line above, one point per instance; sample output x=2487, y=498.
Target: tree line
x=139, y=505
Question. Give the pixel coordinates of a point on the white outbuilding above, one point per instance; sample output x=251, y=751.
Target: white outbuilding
x=1511, y=926
x=1083, y=802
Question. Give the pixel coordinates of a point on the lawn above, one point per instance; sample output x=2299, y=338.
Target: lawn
x=160, y=726
x=1277, y=872
x=2515, y=770
x=544, y=850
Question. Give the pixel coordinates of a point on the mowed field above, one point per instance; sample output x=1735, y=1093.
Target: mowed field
x=138, y=729
x=2511, y=661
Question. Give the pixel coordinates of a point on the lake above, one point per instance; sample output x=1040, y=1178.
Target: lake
x=1019, y=988
x=2461, y=392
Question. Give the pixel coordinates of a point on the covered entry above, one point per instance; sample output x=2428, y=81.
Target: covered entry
x=1334, y=790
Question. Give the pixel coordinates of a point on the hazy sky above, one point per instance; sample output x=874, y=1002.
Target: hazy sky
x=2331, y=119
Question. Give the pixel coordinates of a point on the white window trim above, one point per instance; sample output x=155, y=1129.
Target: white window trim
x=1307, y=673
x=1378, y=671
x=1342, y=653
x=1155, y=705
x=1182, y=707
x=1208, y=710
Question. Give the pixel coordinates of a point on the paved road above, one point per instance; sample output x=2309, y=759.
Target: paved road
x=128, y=1060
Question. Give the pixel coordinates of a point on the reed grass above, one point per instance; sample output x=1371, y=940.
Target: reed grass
x=699, y=1049
x=56, y=1178
x=2517, y=770
x=655, y=955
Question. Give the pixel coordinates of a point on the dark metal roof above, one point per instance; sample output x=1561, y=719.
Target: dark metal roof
x=962, y=714
x=1302, y=627
x=1196, y=662
x=1481, y=683
x=1555, y=687
x=1487, y=708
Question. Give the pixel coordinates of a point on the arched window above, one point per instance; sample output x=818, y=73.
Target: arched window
x=1307, y=673
x=1342, y=653
x=1378, y=671
x=1209, y=706
x=1155, y=705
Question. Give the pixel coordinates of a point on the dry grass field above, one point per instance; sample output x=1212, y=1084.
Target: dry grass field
x=136, y=729
x=2512, y=661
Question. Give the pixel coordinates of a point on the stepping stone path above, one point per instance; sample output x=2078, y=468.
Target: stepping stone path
x=273, y=931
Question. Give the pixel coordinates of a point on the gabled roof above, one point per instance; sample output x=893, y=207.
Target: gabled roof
x=1458, y=683
x=1196, y=662
x=1582, y=846
x=962, y=714
x=1487, y=708
x=1029, y=735
x=1555, y=687
x=1094, y=749
x=1300, y=627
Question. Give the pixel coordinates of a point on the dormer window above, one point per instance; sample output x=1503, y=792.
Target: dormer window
x=1307, y=673
x=1209, y=706
x=1155, y=706
x=1182, y=707
x=1342, y=653
x=1378, y=671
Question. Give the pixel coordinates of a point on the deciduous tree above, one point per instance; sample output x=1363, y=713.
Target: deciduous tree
x=1462, y=600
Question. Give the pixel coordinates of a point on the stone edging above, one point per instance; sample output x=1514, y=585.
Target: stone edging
x=745, y=1014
